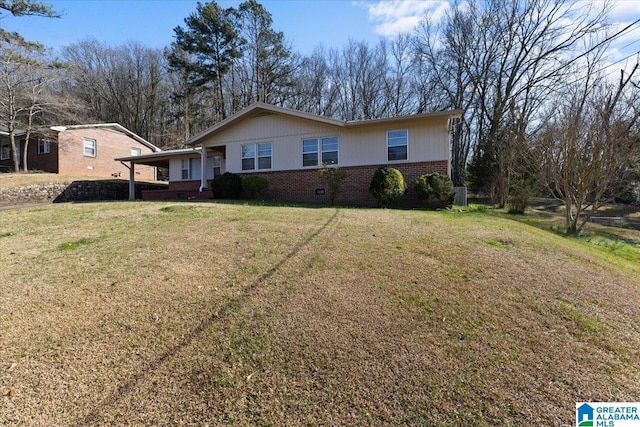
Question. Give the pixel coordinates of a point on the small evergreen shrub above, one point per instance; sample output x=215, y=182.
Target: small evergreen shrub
x=333, y=178
x=521, y=192
x=227, y=186
x=387, y=186
x=254, y=185
x=435, y=191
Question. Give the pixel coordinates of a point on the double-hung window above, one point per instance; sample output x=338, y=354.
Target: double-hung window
x=320, y=151
x=397, y=145
x=89, y=147
x=256, y=155
x=217, y=166
x=44, y=146
x=185, y=168
x=190, y=169
x=309, y=152
x=4, y=152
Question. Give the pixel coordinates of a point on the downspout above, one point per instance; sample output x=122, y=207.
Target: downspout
x=450, y=130
x=203, y=169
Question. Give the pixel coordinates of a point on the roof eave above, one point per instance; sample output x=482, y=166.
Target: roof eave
x=414, y=117
x=117, y=126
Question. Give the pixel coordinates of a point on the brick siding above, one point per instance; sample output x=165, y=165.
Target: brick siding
x=67, y=157
x=301, y=185
x=110, y=144
x=179, y=190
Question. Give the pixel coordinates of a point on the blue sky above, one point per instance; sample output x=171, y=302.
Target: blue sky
x=305, y=23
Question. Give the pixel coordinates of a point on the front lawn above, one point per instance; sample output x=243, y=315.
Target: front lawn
x=212, y=314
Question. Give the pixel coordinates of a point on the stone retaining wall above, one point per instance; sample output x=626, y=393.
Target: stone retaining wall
x=73, y=191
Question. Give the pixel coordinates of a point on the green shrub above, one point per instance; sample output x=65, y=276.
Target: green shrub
x=254, y=185
x=387, y=186
x=333, y=178
x=435, y=191
x=519, y=196
x=227, y=186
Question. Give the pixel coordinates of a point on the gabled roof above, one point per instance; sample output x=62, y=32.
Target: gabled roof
x=114, y=126
x=262, y=108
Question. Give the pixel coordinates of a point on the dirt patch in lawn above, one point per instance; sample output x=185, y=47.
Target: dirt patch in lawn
x=179, y=313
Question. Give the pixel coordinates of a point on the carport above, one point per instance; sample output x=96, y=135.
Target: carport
x=158, y=159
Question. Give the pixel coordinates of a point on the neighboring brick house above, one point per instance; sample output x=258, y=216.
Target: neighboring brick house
x=81, y=150
x=288, y=147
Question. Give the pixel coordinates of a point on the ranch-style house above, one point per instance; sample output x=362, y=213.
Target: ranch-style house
x=288, y=147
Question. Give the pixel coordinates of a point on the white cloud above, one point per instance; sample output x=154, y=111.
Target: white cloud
x=625, y=10
x=393, y=17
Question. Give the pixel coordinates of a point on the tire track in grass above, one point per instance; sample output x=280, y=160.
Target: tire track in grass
x=129, y=386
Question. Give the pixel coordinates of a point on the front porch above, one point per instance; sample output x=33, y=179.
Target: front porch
x=190, y=170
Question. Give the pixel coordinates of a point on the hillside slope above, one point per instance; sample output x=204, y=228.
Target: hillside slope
x=179, y=313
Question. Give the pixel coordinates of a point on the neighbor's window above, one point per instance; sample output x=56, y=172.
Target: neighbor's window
x=44, y=146
x=319, y=151
x=397, y=144
x=185, y=169
x=4, y=152
x=89, y=147
x=217, y=166
x=135, y=151
x=256, y=154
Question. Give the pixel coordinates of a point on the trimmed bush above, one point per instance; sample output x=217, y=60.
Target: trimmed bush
x=435, y=191
x=254, y=185
x=333, y=178
x=387, y=186
x=227, y=186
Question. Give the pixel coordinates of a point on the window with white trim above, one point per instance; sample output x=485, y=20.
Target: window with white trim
x=309, y=152
x=44, y=146
x=5, y=152
x=397, y=145
x=185, y=169
x=135, y=151
x=320, y=151
x=89, y=147
x=256, y=155
x=217, y=166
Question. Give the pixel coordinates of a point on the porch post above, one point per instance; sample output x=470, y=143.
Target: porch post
x=132, y=182
x=203, y=169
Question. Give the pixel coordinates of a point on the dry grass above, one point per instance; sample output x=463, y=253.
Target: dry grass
x=212, y=314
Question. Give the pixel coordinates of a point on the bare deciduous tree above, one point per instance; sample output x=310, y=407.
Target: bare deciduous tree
x=125, y=84
x=499, y=60
x=25, y=79
x=589, y=144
